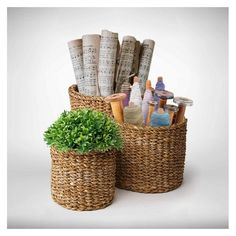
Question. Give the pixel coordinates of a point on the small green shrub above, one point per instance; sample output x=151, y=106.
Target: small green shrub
x=83, y=131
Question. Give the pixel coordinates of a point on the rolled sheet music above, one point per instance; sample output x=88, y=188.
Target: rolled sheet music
x=145, y=62
x=91, y=46
x=107, y=62
x=76, y=54
x=125, y=61
x=136, y=57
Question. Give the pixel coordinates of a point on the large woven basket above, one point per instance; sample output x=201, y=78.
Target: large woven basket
x=83, y=182
x=78, y=100
x=152, y=160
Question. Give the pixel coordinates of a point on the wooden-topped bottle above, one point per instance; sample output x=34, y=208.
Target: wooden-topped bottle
x=116, y=101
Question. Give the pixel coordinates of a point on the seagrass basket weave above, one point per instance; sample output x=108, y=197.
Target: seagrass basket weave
x=83, y=182
x=78, y=100
x=152, y=160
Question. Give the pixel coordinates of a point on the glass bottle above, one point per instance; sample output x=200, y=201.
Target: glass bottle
x=160, y=86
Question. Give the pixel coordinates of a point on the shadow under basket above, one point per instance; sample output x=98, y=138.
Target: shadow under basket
x=83, y=182
x=152, y=160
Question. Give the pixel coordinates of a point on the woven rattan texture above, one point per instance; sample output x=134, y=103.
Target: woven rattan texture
x=83, y=182
x=152, y=160
x=78, y=100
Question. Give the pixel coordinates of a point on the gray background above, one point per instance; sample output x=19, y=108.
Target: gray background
x=191, y=53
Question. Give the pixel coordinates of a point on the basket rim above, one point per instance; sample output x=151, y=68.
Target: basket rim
x=73, y=89
x=150, y=128
x=74, y=153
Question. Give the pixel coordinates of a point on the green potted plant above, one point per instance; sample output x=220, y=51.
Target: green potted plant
x=83, y=150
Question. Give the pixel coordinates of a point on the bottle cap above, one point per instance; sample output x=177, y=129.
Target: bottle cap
x=148, y=84
x=160, y=79
x=115, y=97
x=183, y=101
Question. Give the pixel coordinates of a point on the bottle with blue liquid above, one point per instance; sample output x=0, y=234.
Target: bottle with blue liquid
x=160, y=86
x=160, y=118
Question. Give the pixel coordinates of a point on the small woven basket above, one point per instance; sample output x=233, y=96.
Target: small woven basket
x=78, y=100
x=152, y=160
x=83, y=182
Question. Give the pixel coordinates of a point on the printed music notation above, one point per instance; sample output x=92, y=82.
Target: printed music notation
x=91, y=46
x=76, y=53
x=107, y=62
x=145, y=62
x=125, y=61
x=101, y=65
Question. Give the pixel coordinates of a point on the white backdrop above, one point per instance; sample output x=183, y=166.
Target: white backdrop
x=191, y=53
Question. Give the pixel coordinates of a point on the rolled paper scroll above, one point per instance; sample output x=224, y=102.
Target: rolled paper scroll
x=76, y=53
x=107, y=62
x=145, y=62
x=136, y=57
x=152, y=105
x=135, y=95
x=91, y=46
x=133, y=114
x=182, y=103
x=125, y=62
x=116, y=105
x=146, y=98
x=125, y=88
x=163, y=96
x=160, y=118
x=172, y=110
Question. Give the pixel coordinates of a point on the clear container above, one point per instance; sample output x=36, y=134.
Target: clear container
x=160, y=86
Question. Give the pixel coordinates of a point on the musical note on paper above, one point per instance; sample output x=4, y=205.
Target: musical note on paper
x=91, y=46
x=145, y=62
x=76, y=54
x=125, y=61
x=107, y=62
